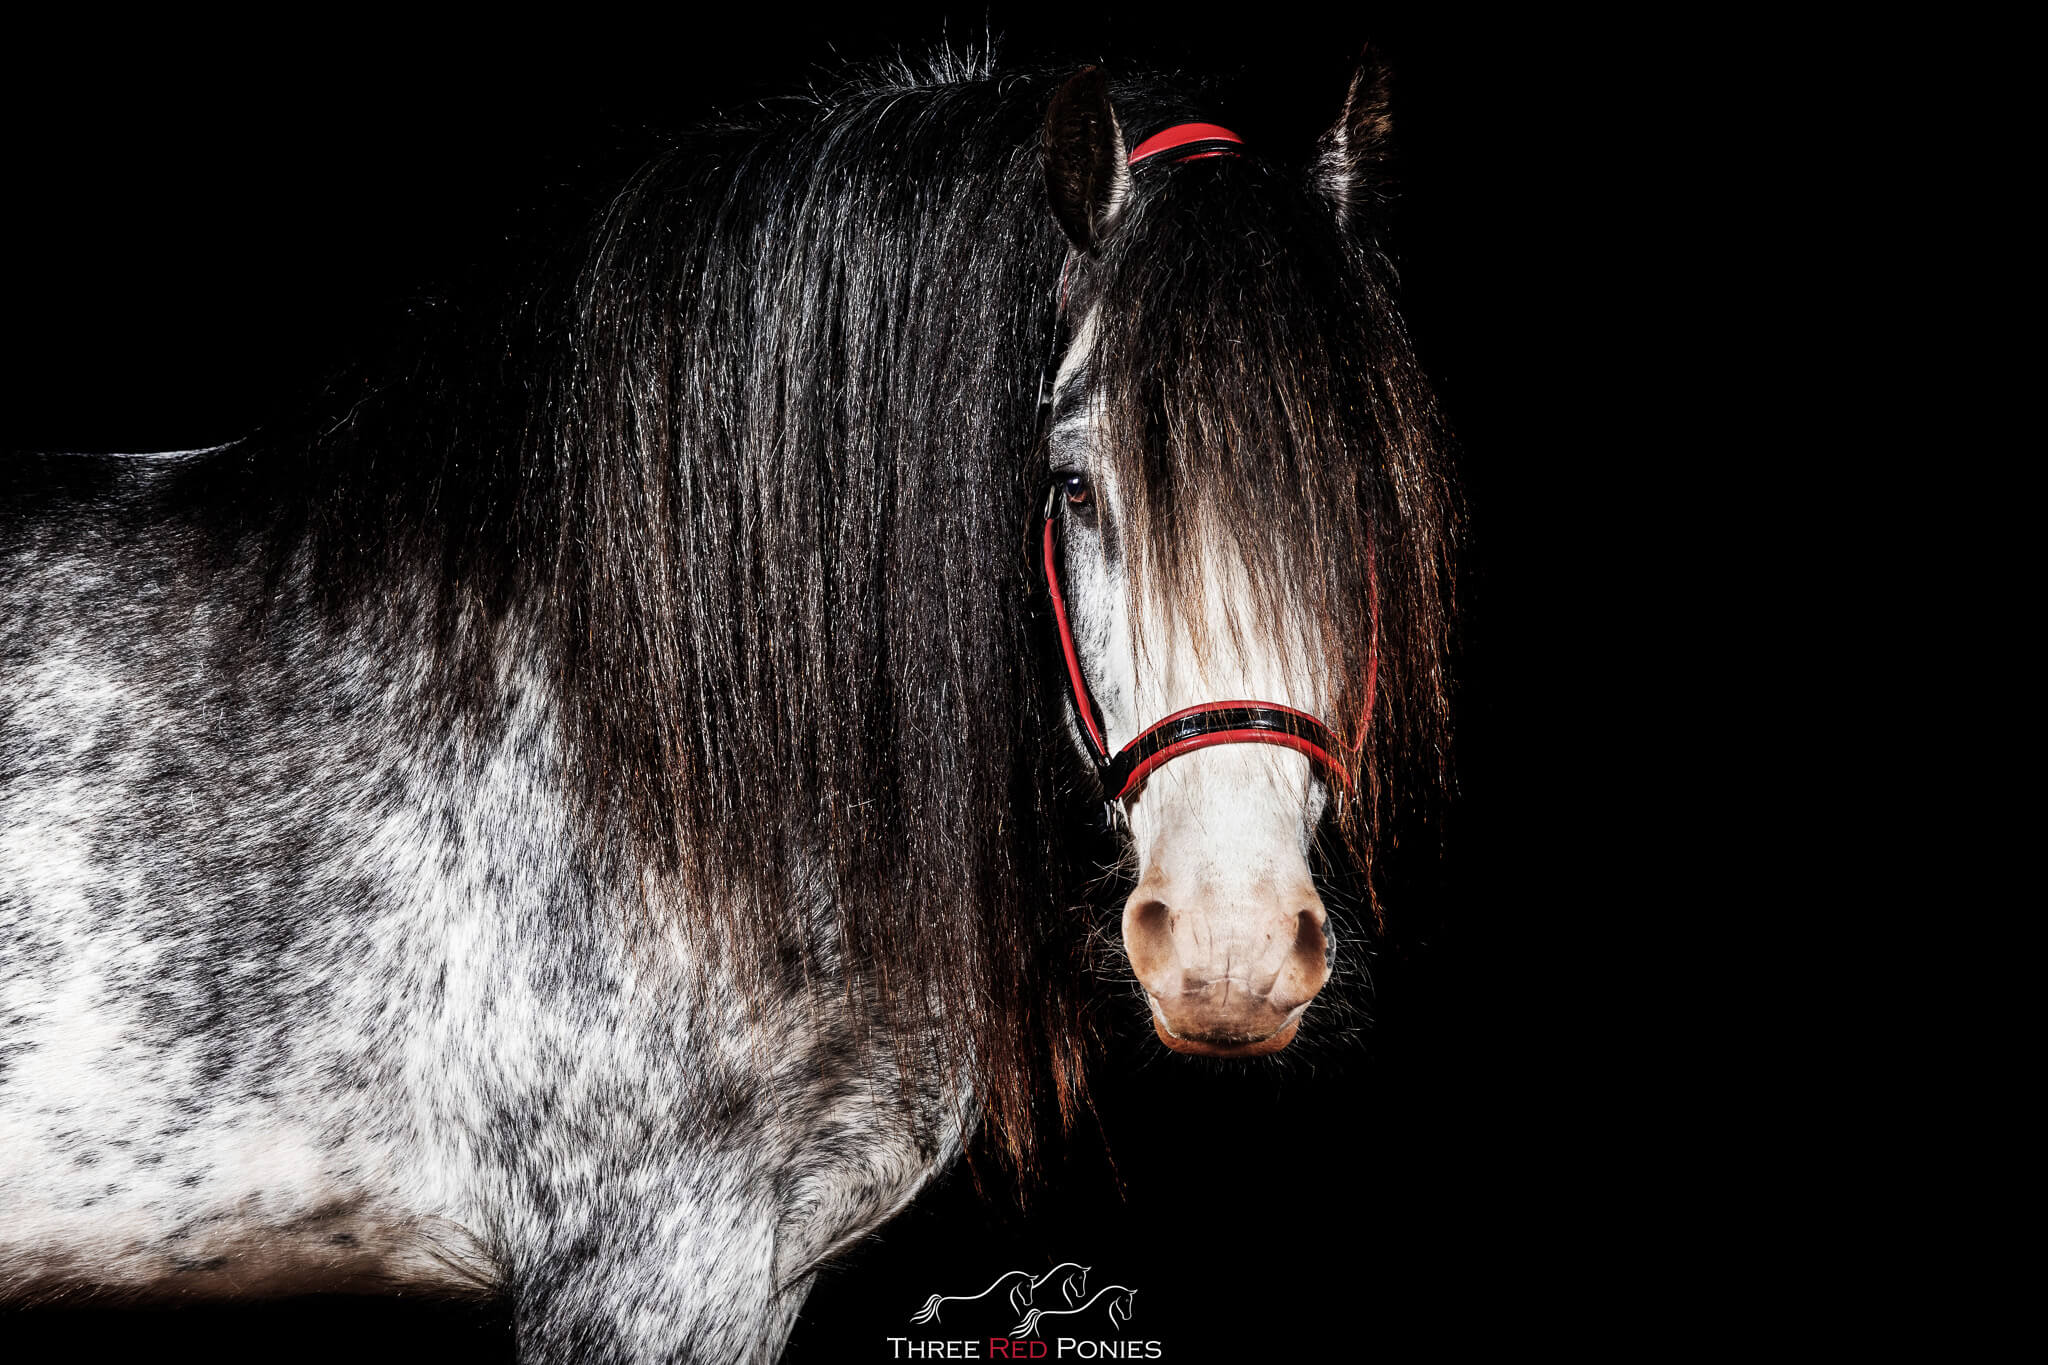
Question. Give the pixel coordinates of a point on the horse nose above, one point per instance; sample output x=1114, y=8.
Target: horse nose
x=1227, y=980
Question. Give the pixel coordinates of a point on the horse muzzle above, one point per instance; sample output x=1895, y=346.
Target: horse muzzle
x=1227, y=980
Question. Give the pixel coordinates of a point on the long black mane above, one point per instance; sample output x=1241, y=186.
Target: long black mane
x=751, y=470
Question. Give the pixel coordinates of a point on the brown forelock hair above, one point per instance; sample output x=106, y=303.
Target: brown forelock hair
x=1261, y=405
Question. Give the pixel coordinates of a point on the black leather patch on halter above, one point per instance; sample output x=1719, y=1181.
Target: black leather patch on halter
x=1221, y=723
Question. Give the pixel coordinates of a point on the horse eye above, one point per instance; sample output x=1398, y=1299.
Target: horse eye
x=1077, y=491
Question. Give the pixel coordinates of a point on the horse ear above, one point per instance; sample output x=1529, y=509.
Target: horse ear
x=1352, y=157
x=1087, y=173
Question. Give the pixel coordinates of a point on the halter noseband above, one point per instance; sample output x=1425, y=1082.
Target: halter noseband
x=1183, y=732
x=1210, y=723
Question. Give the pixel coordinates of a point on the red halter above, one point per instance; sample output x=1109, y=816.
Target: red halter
x=1211, y=723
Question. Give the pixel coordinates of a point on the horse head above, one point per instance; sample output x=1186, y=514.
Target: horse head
x=1022, y=1290
x=1220, y=443
x=1073, y=1278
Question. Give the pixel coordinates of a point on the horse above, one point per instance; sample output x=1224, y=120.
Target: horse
x=1122, y=1301
x=1023, y=1286
x=598, y=807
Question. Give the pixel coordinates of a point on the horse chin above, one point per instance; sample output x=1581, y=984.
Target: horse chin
x=1197, y=1047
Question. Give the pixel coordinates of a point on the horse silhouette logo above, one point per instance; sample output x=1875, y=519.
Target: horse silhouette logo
x=1122, y=1298
x=1072, y=1279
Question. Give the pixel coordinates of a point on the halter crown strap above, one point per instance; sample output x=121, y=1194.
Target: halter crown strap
x=1183, y=732
x=1193, y=141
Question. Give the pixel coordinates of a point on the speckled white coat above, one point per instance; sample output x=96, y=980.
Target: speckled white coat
x=302, y=988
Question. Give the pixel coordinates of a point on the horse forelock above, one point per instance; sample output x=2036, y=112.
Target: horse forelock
x=1262, y=418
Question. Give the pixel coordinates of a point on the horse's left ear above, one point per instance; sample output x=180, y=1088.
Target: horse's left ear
x=1087, y=173
x=1352, y=157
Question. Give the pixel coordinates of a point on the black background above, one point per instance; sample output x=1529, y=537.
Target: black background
x=202, y=222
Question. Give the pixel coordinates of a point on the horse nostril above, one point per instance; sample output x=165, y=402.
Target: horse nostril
x=1148, y=938
x=1308, y=965
x=1309, y=936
